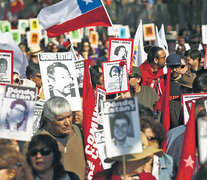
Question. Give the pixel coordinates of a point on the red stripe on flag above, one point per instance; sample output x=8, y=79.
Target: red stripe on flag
x=89, y=124
x=96, y=17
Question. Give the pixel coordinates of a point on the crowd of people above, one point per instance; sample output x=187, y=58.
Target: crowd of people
x=56, y=151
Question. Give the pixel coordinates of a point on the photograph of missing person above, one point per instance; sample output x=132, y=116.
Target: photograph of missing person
x=100, y=101
x=3, y=65
x=16, y=117
x=115, y=73
x=60, y=80
x=121, y=49
x=121, y=129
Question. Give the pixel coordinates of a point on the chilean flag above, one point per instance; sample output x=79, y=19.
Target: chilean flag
x=69, y=15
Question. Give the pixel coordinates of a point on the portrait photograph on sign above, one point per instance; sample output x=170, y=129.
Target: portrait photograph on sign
x=79, y=67
x=16, y=36
x=187, y=103
x=34, y=38
x=100, y=98
x=17, y=112
x=6, y=67
x=34, y=24
x=59, y=77
x=122, y=127
x=6, y=26
x=22, y=25
x=149, y=32
x=115, y=76
x=119, y=49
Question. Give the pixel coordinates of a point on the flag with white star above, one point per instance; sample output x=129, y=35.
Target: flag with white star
x=69, y=15
x=188, y=158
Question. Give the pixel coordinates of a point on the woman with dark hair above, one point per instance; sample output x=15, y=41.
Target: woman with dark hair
x=13, y=165
x=86, y=49
x=44, y=158
x=96, y=76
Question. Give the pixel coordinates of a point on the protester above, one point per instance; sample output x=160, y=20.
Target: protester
x=16, y=78
x=44, y=157
x=34, y=51
x=13, y=165
x=57, y=122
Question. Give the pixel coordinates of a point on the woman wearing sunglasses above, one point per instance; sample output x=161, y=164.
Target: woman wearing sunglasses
x=44, y=158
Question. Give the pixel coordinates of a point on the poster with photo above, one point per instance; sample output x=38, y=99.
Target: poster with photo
x=34, y=38
x=23, y=24
x=149, y=32
x=59, y=77
x=75, y=36
x=79, y=67
x=6, y=67
x=94, y=39
x=6, y=26
x=187, y=103
x=16, y=36
x=17, y=112
x=34, y=24
x=202, y=138
x=122, y=127
x=115, y=76
x=115, y=30
x=124, y=32
x=100, y=98
x=119, y=49
x=100, y=144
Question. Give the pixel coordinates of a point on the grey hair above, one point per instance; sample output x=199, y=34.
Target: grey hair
x=55, y=106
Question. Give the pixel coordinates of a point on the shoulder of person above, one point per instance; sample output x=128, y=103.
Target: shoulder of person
x=71, y=176
x=77, y=132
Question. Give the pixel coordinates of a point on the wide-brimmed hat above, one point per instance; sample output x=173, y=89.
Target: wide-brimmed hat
x=148, y=149
x=136, y=71
x=187, y=80
x=35, y=50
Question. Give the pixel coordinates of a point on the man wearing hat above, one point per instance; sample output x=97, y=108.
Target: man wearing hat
x=174, y=63
x=145, y=94
x=34, y=51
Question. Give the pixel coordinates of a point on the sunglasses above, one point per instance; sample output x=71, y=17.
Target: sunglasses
x=39, y=76
x=16, y=80
x=42, y=151
x=182, y=66
x=173, y=66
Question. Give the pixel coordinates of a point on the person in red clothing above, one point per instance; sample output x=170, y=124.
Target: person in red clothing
x=152, y=68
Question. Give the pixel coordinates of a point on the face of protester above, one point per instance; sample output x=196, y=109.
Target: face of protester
x=175, y=71
x=79, y=115
x=54, y=48
x=41, y=163
x=120, y=129
x=37, y=79
x=134, y=81
x=61, y=125
x=86, y=47
x=149, y=133
x=62, y=81
x=192, y=63
x=162, y=59
x=16, y=79
x=184, y=67
x=17, y=114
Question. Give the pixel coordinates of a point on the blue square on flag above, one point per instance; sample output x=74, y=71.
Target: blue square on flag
x=88, y=5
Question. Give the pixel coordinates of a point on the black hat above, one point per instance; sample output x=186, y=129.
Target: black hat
x=173, y=59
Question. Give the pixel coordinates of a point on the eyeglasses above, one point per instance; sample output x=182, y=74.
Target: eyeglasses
x=173, y=66
x=42, y=151
x=182, y=66
x=39, y=76
x=16, y=80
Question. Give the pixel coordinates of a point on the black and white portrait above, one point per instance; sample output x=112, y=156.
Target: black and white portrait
x=119, y=49
x=60, y=80
x=115, y=73
x=3, y=65
x=16, y=117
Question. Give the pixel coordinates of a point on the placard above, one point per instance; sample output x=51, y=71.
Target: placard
x=23, y=24
x=149, y=32
x=121, y=49
x=6, y=26
x=34, y=24
x=122, y=127
x=204, y=34
x=59, y=77
x=6, y=67
x=187, y=103
x=17, y=112
x=94, y=39
x=115, y=77
x=79, y=67
x=16, y=36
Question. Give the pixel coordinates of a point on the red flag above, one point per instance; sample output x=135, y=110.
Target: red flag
x=89, y=124
x=16, y=6
x=187, y=159
x=163, y=105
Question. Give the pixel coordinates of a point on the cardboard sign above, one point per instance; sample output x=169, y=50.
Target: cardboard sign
x=34, y=38
x=115, y=77
x=187, y=103
x=124, y=32
x=115, y=30
x=122, y=127
x=59, y=77
x=16, y=36
x=149, y=32
x=23, y=24
x=6, y=67
x=34, y=24
x=75, y=36
x=94, y=39
x=17, y=112
x=6, y=26
x=121, y=49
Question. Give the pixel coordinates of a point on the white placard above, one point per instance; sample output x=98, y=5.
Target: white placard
x=17, y=112
x=204, y=34
x=122, y=127
x=59, y=77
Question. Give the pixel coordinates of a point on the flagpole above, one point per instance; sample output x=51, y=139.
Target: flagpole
x=109, y=19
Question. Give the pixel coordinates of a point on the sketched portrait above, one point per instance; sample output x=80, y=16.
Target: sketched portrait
x=3, y=65
x=120, y=127
x=17, y=116
x=60, y=80
x=100, y=101
x=115, y=72
x=120, y=52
